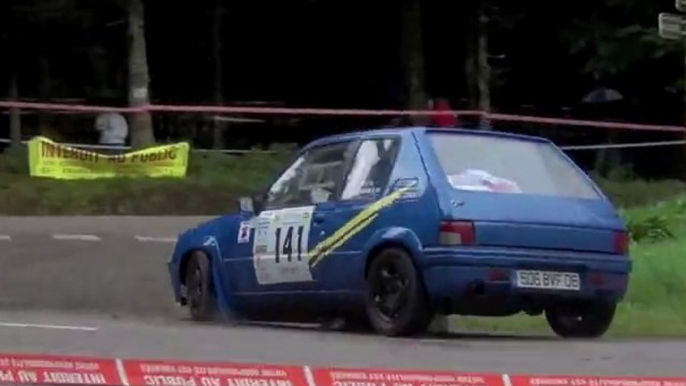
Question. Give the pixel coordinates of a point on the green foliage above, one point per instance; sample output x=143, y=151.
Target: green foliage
x=630, y=193
x=617, y=37
x=14, y=161
x=612, y=49
x=653, y=210
x=656, y=222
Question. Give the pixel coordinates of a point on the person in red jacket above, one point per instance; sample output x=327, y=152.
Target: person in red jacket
x=443, y=120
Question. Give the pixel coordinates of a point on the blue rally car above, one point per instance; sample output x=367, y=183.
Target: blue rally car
x=393, y=227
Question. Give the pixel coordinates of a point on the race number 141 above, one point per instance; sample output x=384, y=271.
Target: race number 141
x=287, y=247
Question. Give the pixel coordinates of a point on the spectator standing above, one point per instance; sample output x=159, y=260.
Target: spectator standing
x=443, y=120
x=113, y=130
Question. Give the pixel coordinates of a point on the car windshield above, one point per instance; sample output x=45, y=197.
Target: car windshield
x=508, y=165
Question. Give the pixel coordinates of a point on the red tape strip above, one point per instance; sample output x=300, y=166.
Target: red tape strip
x=26, y=369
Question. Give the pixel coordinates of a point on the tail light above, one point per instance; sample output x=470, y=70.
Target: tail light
x=457, y=233
x=621, y=242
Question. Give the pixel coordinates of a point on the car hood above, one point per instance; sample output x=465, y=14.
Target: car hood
x=212, y=226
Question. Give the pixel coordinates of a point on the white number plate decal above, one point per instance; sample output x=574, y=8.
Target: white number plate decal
x=280, y=249
x=569, y=281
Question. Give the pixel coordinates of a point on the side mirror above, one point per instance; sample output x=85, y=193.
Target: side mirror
x=253, y=205
x=246, y=204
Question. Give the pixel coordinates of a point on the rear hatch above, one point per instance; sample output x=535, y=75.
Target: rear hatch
x=523, y=193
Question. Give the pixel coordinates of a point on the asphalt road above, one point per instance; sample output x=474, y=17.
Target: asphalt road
x=98, y=286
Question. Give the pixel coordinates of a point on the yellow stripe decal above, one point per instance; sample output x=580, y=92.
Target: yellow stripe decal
x=345, y=238
x=354, y=226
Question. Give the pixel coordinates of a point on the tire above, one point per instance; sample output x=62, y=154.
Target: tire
x=581, y=320
x=392, y=277
x=201, y=299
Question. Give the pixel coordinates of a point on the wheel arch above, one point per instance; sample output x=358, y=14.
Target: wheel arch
x=396, y=237
x=210, y=247
x=422, y=311
x=186, y=258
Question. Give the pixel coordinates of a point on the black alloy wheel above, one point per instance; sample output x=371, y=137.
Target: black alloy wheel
x=581, y=319
x=201, y=299
x=397, y=304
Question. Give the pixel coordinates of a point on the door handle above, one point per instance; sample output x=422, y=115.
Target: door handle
x=318, y=219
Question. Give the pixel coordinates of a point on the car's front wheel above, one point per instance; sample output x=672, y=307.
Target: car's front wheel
x=397, y=303
x=201, y=300
x=581, y=320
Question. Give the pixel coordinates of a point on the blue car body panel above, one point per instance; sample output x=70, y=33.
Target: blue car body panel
x=515, y=231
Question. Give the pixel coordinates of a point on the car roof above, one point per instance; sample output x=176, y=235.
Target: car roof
x=404, y=131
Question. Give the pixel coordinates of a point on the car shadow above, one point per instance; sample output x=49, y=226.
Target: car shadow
x=449, y=336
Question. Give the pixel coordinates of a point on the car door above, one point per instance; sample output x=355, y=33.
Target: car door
x=286, y=230
x=343, y=232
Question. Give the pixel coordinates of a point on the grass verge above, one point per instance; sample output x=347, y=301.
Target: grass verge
x=213, y=183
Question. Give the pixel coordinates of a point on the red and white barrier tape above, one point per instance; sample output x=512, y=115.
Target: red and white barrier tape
x=336, y=112
x=585, y=123
x=226, y=109
x=623, y=145
x=21, y=369
x=244, y=151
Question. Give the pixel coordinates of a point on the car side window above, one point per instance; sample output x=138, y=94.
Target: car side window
x=371, y=169
x=314, y=178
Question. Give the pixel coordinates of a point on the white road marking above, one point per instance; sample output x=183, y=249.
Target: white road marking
x=76, y=237
x=48, y=326
x=5, y=238
x=156, y=239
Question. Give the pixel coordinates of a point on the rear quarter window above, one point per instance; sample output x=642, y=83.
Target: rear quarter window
x=508, y=165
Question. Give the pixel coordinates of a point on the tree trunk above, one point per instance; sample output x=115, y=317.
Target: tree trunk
x=483, y=67
x=15, y=113
x=219, y=126
x=470, y=62
x=413, y=58
x=142, y=134
x=682, y=163
x=44, y=91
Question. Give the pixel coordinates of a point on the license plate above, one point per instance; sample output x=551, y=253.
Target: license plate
x=568, y=281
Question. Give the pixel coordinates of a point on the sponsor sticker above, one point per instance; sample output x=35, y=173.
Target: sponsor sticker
x=244, y=232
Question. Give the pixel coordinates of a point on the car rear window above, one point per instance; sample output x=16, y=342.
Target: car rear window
x=508, y=165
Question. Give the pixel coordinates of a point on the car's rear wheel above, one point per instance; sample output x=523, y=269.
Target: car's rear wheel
x=201, y=299
x=397, y=303
x=581, y=319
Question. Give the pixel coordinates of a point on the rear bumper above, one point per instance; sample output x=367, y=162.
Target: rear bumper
x=483, y=281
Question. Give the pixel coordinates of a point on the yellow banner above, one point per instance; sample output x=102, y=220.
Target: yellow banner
x=52, y=160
